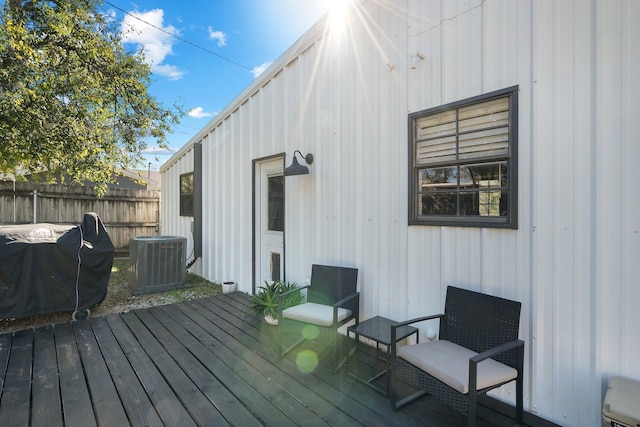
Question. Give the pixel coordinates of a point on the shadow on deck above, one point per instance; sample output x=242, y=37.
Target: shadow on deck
x=204, y=362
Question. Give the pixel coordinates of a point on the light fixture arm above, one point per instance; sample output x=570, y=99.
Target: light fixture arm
x=308, y=158
x=296, y=168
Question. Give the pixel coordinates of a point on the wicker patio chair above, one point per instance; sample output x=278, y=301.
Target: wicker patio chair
x=332, y=301
x=478, y=350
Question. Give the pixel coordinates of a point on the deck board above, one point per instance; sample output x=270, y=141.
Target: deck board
x=16, y=391
x=182, y=387
x=216, y=380
x=363, y=404
x=106, y=402
x=254, y=370
x=134, y=399
x=225, y=364
x=76, y=401
x=5, y=349
x=201, y=362
x=46, y=410
x=166, y=403
x=256, y=355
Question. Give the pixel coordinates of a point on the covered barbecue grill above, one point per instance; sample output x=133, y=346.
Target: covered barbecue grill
x=46, y=268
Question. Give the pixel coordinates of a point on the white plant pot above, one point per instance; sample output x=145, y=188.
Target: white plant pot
x=228, y=287
x=270, y=320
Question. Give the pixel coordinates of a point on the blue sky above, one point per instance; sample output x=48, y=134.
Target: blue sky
x=209, y=51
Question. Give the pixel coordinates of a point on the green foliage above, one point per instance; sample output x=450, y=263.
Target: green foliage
x=73, y=101
x=266, y=300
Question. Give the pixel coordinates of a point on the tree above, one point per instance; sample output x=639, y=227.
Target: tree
x=73, y=101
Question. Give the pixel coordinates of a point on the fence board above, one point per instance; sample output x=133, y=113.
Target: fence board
x=125, y=212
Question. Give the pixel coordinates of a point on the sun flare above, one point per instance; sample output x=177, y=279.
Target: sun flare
x=337, y=11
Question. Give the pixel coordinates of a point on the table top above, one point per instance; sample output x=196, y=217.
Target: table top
x=379, y=329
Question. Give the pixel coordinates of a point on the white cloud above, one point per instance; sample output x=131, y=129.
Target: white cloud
x=218, y=35
x=198, y=113
x=152, y=38
x=172, y=72
x=260, y=69
x=157, y=151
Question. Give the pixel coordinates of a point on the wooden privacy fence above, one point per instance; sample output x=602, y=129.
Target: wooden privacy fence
x=125, y=212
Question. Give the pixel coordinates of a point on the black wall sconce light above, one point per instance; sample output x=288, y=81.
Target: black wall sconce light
x=296, y=168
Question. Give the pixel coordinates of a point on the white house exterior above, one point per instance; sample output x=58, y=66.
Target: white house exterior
x=346, y=97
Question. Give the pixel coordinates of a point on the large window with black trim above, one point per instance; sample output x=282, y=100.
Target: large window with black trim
x=186, y=194
x=464, y=160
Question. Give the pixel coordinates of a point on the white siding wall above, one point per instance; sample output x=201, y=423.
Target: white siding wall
x=615, y=155
x=171, y=223
x=573, y=260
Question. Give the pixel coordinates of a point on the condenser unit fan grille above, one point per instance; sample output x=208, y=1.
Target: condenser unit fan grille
x=157, y=263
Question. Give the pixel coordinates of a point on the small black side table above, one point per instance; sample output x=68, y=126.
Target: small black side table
x=378, y=329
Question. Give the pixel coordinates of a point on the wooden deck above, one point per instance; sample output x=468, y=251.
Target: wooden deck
x=205, y=362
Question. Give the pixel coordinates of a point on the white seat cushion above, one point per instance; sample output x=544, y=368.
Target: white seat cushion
x=316, y=314
x=449, y=363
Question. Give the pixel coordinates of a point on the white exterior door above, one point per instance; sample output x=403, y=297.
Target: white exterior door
x=270, y=221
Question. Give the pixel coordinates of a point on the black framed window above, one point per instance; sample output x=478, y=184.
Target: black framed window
x=186, y=194
x=464, y=162
x=276, y=203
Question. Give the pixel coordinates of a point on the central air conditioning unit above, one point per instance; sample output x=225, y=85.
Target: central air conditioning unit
x=156, y=263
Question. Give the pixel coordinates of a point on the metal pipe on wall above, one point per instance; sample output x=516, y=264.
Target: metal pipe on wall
x=35, y=206
x=14, y=199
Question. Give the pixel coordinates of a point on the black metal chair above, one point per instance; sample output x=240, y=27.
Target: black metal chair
x=332, y=301
x=478, y=350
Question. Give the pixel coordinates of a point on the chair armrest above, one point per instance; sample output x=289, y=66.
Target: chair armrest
x=517, y=345
x=354, y=302
x=416, y=320
x=346, y=299
x=496, y=351
x=284, y=294
x=392, y=350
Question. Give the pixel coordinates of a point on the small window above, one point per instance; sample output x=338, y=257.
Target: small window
x=186, y=194
x=464, y=162
x=276, y=203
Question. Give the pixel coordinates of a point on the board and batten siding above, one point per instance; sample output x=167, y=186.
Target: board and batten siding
x=171, y=223
x=574, y=260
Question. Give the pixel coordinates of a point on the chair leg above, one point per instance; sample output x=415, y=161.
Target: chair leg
x=334, y=344
x=393, y=397
x=472, y=401
x=519, y=400
x=520, y=385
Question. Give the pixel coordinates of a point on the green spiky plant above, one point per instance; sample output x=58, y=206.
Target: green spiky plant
x=265, y=301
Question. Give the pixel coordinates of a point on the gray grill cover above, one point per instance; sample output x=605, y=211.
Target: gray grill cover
x=39, y=267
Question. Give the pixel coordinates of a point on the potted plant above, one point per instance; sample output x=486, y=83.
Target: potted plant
x=265, y=301
x=228, y=287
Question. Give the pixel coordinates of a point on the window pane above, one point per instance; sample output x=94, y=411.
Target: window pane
x=276, y=203
x=490, y=203
x=487, y=175
x=275, y=266
x=467, y=179
x=438, y=178
x=186, y=184
x=186, y=194
x=469, y=205
x=186, y=205
x=438, y=204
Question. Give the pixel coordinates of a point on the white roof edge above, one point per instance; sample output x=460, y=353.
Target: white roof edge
x=312, y=36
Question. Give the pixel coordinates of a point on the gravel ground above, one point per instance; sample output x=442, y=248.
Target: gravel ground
x=119, y=299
